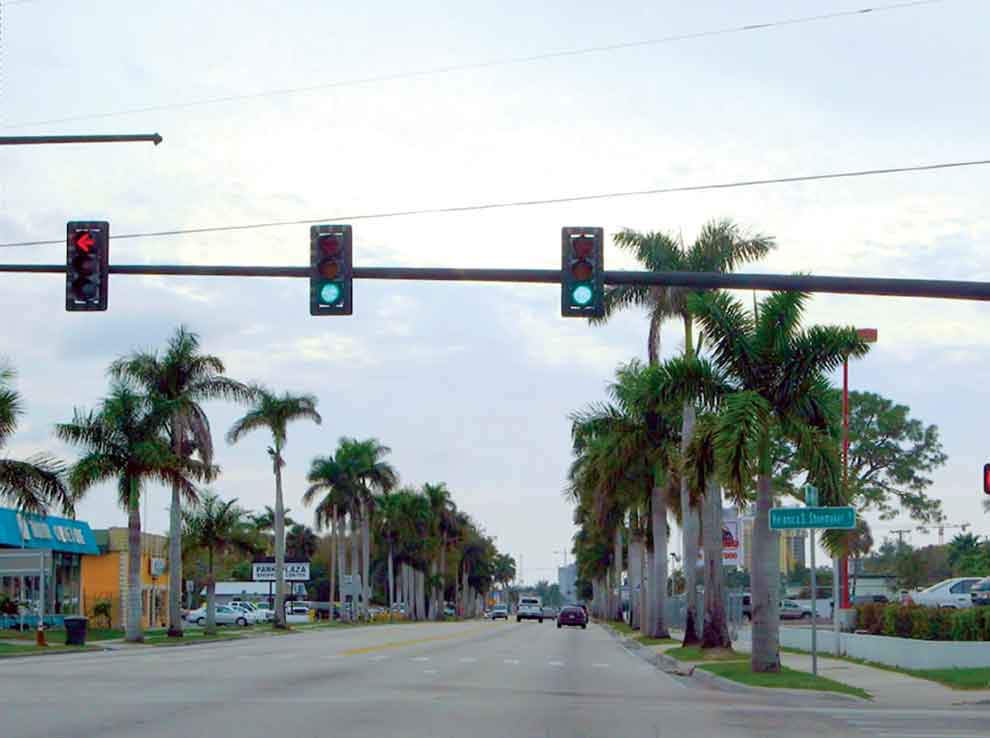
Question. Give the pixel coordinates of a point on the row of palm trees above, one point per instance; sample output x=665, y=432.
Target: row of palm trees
x=151, y=428
x=676, y=434
x=431, y=549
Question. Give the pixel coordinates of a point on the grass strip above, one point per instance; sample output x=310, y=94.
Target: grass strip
x=739, y=671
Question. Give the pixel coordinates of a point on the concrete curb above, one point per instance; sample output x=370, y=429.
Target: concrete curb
x=56, y=652
x=685, y=670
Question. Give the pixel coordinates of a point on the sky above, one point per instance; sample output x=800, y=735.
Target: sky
x=472, y=384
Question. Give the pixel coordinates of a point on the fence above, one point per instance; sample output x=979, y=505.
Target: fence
x=675, y=610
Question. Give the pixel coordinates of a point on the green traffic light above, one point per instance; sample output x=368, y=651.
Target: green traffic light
x=330, y=293
x=582, y=295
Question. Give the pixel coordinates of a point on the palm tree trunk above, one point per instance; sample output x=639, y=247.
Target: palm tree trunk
x=617, y=569
x=175, y=543
x=211, y=597
x=355, y=605
x=365, y=559
x=134, y=628
x=648, y=597
x=279, y=542
x=689, y=514
x=643, y=587
x=715, y=633
x=635, y=581
x=341, y=561
x=391, y=582
x=421, y=593
x=333, y=559
x=766, y=583
x=443, y=575
x=689, y=534
x=658, y=574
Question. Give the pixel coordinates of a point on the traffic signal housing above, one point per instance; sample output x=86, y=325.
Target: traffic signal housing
x=986, y=479
x=87, y=265
x=331, y=272
x=582, y=273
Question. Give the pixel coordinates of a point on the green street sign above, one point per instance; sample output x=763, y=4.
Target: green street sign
x=840, y=518
x=810, y=495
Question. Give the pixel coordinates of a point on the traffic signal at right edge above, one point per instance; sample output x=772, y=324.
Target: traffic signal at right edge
x=986, y=479
x=582, y=273
x=87, y=265
x=330, y=270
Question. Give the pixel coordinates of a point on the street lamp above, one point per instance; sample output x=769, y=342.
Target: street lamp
x=867, y=335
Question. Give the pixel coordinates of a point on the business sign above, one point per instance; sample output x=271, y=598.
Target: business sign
x=156, y=567
x=730, y=539
x=834, y=518
x=21, y=530
x=292, y=571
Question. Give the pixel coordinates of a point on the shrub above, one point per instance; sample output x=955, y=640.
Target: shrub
x=104, y=609
x=869, y=617
x=898, y=620
x=7, y=605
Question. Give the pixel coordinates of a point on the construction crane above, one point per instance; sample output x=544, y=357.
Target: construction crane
x=941, y=529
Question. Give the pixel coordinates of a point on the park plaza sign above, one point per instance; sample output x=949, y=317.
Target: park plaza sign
x=292, y=571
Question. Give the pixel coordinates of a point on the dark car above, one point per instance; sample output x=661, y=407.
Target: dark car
x=875, y=599
x=981, y=593
x=572, y=615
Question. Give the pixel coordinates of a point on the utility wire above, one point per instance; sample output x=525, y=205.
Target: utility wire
x=505, y=61
x=529, y=203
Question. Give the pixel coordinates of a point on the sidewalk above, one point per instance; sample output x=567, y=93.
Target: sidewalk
x=888, y=688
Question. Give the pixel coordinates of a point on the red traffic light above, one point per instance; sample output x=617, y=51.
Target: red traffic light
x=583, y=247
x=330, y=244
x=986, y=479
x=85, y=241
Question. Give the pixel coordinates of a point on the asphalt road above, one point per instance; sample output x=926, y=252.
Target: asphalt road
x=463, y=680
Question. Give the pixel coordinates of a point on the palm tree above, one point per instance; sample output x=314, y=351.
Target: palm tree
x=264, y=524
x=218, y=527
x=720, y=247
x=185, y=378
x=126, y=440
x=504, y=572
x=274, y=413
x=393, y=509
x=38, y=482
x=779, y=375
x=327, y=475
x=443, y=510
x=859, y=543
x=301, y=542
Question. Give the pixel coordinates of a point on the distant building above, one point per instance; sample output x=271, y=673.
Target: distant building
x=791, y=543
x=104, y=576
x=567, y=581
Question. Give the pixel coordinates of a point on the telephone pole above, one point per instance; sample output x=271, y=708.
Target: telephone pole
x=900, y=535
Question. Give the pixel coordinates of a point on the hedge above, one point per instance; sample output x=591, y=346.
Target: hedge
x=924, y=623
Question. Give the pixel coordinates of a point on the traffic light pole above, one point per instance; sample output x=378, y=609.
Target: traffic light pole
x=113, y=138
x=878, y=286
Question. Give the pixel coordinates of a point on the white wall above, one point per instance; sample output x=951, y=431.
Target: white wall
x=907, y=653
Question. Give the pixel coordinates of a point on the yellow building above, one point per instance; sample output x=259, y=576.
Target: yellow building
x=791, y=542
x=104, y=577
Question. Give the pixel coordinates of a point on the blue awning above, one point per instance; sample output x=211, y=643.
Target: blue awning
x=23, y=530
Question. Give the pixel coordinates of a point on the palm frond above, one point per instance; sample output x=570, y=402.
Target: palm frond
x=729, y=329
x=741, y=423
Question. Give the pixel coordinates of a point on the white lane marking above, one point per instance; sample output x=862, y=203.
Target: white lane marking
x=510, y=661
x=420, y=658
x=468, y=660
x=429, y=671
x=379, y=658
x=556, y=663
x=601, y=666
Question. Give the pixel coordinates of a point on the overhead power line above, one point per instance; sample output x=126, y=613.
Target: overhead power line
x=524, y=203
x=504, y=61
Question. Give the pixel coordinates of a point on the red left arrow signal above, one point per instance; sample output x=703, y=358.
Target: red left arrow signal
x=85, y=241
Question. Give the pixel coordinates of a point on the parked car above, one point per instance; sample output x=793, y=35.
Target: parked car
x=225, y=615
x=791, y=610
x=870, y=599
x=572, y=615
x=953, y=593
x=253, y=612
x=747, y=606
x=500, y=612
x=296, y=612
x=980, y=593
x=449, y=611
x=550, y=612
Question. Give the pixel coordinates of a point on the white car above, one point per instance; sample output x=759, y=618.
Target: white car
x=296, y=612
x=224, y=616
x=253, y=614
x=948, y=593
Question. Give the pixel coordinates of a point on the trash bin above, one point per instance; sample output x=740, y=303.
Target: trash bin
x=75, y=630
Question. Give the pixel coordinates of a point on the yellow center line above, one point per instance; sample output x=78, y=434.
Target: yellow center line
x=410, y=642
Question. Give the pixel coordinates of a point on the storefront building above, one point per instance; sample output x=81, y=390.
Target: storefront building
x=104, y=577
x=41, y=556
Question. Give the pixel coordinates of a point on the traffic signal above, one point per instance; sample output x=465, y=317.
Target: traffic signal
x=986, y=479
x=330, y=270
x=582, y=273
x=87, y=264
